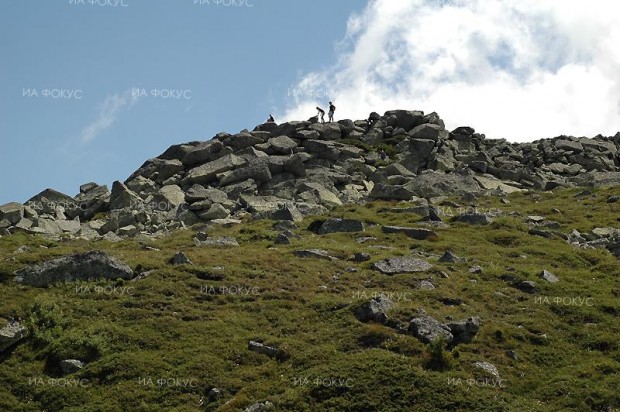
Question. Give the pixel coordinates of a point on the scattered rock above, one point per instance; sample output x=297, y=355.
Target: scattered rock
x=464, y=331
x=69, y=366
x=427, y=329
x=259, y=407
x=375, y=310
x=12, y=334
x=527, y=286
x=263, y=349
x=414, y=233
x=314, y=253
x=180, y=259
x=450, y=257
x=83, y=266
x=488, y=368
x=360, y=257
x=341, y=225
x=221, y=241
x=549, y=277
x=426, y=285
x=476, y=269
x=473, y=219
x=392, y=266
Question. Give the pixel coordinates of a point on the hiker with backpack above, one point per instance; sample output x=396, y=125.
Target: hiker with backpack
x=321, y=114
x=332, y=109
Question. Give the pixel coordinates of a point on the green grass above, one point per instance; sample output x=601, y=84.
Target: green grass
x=174, y=324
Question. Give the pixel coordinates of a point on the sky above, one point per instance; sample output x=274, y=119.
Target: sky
x=90, y=89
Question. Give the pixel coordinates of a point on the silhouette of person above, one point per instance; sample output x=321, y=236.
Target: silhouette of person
x=332, y=109
x=271, y=119
x=321, y=114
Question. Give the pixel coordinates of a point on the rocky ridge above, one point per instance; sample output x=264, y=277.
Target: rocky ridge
x=295, y=169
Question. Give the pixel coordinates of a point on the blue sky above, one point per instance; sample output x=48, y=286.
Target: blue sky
x=90, y=90
x=228, y=67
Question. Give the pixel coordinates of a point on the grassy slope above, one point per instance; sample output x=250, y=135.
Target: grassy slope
x=167, y=327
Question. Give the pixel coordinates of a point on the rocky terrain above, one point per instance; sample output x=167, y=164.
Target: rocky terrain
x=297, y=169
x=377, y=265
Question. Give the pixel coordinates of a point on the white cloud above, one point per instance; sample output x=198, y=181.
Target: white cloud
x=515, y=69
x=108, y=112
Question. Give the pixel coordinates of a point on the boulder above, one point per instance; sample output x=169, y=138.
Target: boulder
x=12, y=212
x=488, y=368
x=180, y=258
x=414, y=233
x=527, y=286
x=375, y=310
x=427, y=329
x=549, y=277
x=169, y=198
x=208, y=172
x=12, y=334
x=122, y=197
x=464, y=331
x=396, y=265
x=263, y=349
x=473, y=219
x=48, y=200
x=82, y=266
x=429, y=131
x=341, y=225
x=314, y=253
x=200, y=154
x=259, y=407
x=69, y=366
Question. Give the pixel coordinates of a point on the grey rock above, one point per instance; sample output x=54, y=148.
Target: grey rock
x=375, y=310
x=314, y=253
x=13, y=212
x=549, y=277
x=391, y=192
x=476, y=269
x=208, y=172
x=429, y=131
x=200, y=154
x=473, y=219
x=527, y=286
x=83, y=266
x=259, y=407
x=180, y=259
x=222, y=241
x=341, y=225
x=122, y=197
x=464, y=331
x=360, y=257
x=215, y=211
x=426, y=285
x=12, y=334
x=282, y=239
x=427, y=329
x=396, y=265
x=69, y=366
x=488, y=368
x=449, y=257
x=263, y=349
x=414, y=233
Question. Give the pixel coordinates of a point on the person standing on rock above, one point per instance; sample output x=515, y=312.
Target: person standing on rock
x=321, y=114
x=332, y=109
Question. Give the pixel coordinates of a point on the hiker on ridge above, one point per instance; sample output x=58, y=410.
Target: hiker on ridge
x=271, y=119
x=332, y=109
x=321, y=114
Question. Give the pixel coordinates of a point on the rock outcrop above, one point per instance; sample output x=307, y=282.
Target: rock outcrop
x=295, y=169
x=84, y=266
